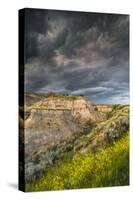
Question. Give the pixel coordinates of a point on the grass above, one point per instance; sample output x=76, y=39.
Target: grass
x=50, y=96
x=109, y=167
x=64, y=96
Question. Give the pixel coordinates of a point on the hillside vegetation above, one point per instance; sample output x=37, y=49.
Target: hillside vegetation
x=106, y=168
x=96, y=158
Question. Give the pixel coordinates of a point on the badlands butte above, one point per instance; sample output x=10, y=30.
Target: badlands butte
x=77, y=106
x=53, y=124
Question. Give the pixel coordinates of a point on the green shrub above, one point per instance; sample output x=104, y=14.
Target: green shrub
x=115, y=129
x=110, y=167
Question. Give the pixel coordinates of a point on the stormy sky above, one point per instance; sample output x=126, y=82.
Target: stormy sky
x=77, y=53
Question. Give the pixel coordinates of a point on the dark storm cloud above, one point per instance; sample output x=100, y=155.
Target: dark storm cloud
x=78, y=53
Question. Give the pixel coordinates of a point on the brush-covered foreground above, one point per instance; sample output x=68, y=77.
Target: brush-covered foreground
x=109, y=167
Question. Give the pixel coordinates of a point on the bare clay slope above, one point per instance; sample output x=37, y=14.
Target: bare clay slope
x=50, y=126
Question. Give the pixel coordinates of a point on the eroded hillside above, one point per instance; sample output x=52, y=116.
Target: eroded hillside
x=96, y=159
x=80, y=108
x=54, y=125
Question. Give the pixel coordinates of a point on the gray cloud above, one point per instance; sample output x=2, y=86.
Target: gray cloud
x=78, y=53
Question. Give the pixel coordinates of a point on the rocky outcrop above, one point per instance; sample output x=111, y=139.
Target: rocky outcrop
x=45, y=130
x=104, y=108
x=53, y=120
x=50, y=126
x=79, y=107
